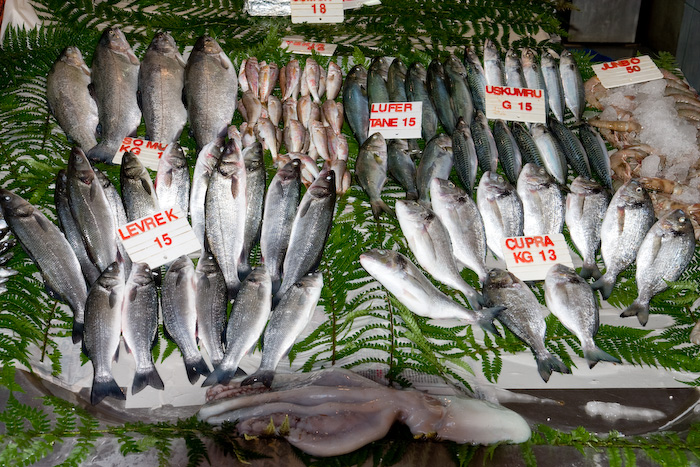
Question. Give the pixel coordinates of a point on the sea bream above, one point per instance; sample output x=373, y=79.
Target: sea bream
x=370, y=171
x=543, y=201
x=501, y=209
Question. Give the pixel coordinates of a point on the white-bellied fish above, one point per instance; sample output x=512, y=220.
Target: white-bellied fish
x=207, y=160
x=572, y=85
x=173, y=179
x=436, y=161
x=553, y=158
x=370, y=170
x=543, y=201
x=597, y=153
x=552, y=81
x=211, y=304
x=571, y=147
x=501, y=209
x=416, y=91
x=138, y=192
x=515, y=77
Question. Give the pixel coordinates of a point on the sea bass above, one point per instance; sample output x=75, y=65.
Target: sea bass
x=138, y=193
x=255, y=198
x=211, y=304
x=172, y=183
x=207, y=160
x=465, y=158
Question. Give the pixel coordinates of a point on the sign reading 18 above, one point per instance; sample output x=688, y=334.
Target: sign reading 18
x=321, y=8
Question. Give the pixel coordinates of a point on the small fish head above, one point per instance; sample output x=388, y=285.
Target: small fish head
x=585, y=186
x=490, y=50
x=112, y=276
x=500, y=279
x=324, y=185
x=101, y=177
x=471, y=56
x=14, y=205
x=72, y=56
x=163, y=42
x=131, y=166
x=357, y=73
x=208, y=45
x=677, y=221
x=115, y=39
x=633, y=193
x=175, y=156
x=528, y=57
x=141, y=274
x=79, y=166
x=312, y=280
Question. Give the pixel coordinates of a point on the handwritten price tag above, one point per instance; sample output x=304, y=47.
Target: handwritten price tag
x=297, y=46
x=530, y=258
x=149, y=152
x=627, y=71
x=396, y=120
x=160, y=238
x=317, y=11
x=518, y=104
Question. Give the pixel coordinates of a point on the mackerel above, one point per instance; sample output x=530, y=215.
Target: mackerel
x=476, y=77
x=508, y=151
x=572, y=148
x=552, y=80
x=597, y=153
x=572, y=85
x=484, y=143
x=465, y=158
x=515, y=77
x=493, y=67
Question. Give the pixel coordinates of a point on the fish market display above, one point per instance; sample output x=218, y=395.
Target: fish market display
x=501, y=209
x=493, y=67
x=526, y=144
x=376, y=80
x=370, y=170
x=514, y=70
x=543, y=201
x=597, y=154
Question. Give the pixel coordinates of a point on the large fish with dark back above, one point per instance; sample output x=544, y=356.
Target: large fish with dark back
x=436, y=83
x=508, y=151
x=376, y=83
x=552, y=81
x=401, y=167
x=465, y=159
x=255, y=199
x=207, y=160
x=458, y=87
x=416, y=91
x=572, y=84
x=436, y=162
x=356, y=102
x=597, y=153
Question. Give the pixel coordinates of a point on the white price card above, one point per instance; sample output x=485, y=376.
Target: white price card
x=529, y=258
x=160, y=238
x=317, y=11
x=627, y=71
x=518, y=104
x=298, y=46
x=148, y=152
x=396, y=120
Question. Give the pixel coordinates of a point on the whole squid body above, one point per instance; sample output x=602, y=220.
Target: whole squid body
x=310, y=229
x=140, y=325
x=436, y=162
x=51, y=252
x=501, y=209
x=664, y=254
x=573, y=302
x=356, y=102
x=436, y=83
x=211, y=90
x=288, y=319
x=586, y=205
x=430, y=242
x=115, y=80
x=172, y=183
x=69, y=98
x=211, y=304
x=627, y=220
x=415, y=291
x=523, y=315
x=543, y=201
x=416, y=91
x=370, y=170
x=138, y=192
x=161, y=80
x=255, y=198
x=401, y=167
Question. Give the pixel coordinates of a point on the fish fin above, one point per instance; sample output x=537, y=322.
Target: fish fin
x=223, y=60
x=264, y=376
x=114, y=296
x=196, y=367
x=605, y=284
x=146, y=378
x=596, y=354
x=620, y=220
x=78, y=329
x=240, y=372
x=220, y=376
x=590, y=270
x=379, y=206
x=146, y=186
x=485, y=318
x=102, y=389
x=638, y=309
x=548, y=363
x=475, y=299
x=132, y=57
x=655, y=247
x=139, y=99
x=276, y=285
x=303, y=208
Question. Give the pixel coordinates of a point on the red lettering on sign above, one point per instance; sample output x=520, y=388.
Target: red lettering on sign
x=159, y=218
x=548, y=241
x=522, y=257
x=169, y=214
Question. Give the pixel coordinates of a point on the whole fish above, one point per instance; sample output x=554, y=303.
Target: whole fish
x=552, y=81
x=597, y=153
x=627, y=220
x=211, y=87
x=585, y=208
x=416, y=91
x=268, y=79
x=458, y=87
x=178, y=298
x=69, y=98
x=493, y=67
x=173, y=179
x=523, y=315
x=572, y=148
x=437, y=161
x=514, y=70
x=103, y=325
x=415, y=291
x=553, y=159
x=376, y=83
x=287, y=321
x=430, y=243
x=310, y=79
x=501, y=209
x=161, y=80
x=356, y=102
x=533, y=74
x=281, y=202
x=526, y=144
x=225, y=211
x=251, y=107
x=573, y=302
x=255, y=198
x=140, y=325
x=396, y=81
x=334, y=81
x=211, y=303
x=295, y=136
x=252, y=71
x=436, y=83
x=274, y=109
x=461, y=217
x=543, y=201
x=51, y=253
x=333, y=114
x=115, y=81
x=251, y=310
x=114, y=199
x=476, y=77
x=292, y=80
x=310, y=229
x=508, y=151
x=401, y=167
x=370, y=170
x=207, y=160
x=572, y=84
x=664, y=254
x=484, y=143
x=465, y=159
x=138, y=193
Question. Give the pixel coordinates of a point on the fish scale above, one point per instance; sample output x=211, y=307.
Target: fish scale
x=526, y=144
x=572, y=148
x=465, y=158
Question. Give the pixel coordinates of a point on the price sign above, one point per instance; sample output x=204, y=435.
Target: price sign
x=317, y=11
x=396, y=120
x=518, y=104
x=530, y=258
x=148, y=152
x=160, y=238
x=627, y=71
x=298, y=46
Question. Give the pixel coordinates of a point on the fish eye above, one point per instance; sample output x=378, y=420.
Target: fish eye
x=639, y=189
x=682, y=219
x=450, y=184
x=500, y=179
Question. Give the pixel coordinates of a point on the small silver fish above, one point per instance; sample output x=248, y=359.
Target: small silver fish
x=370, y=170
x=501, y=209
x=543, y=201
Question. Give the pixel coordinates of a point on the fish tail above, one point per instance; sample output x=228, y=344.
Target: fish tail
x=220, y=375
x=412, y=195
x=547, y=363
x=605, y=284
x=78, y=329
x=475, y=299
x=100, y=153
x=379, y=206
x=589, y=270
x=102, y=389
x=595, y=354
x=276, y=283
x=149, y=377
x=638, y=308
x=264, y=376
x=486, y=317
x=196, y=367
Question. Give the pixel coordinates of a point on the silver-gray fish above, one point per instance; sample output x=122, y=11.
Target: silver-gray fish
x=51, y=253
x=103, y=325
x=396, y=81
x=493, y=67
x=138, y=193
x=376, y=83
x=523, y=315
x=572, y=84
x=436, y=83
x=370, y=170
x=485, y=145
x=416, y=91
x=211, y=90
x=572, y=148
x=161, y=80
x=287, y=321
x=114, y=199
x=462, y=219
x=508, y=151
x=255, y=198
x=543, y=201
x=207, y=160
x=401, y=167
x=178, y=298
x=430, y=243
x=251, y=310
x=115, y=82
x=173, y=179
x=526, y=144
x=465, y=158
x=458, y=87
x=664, y=254
x=586, y=204
x=533, y=74
x=553, y=159
x=211, y=304
x=627, y=220
x=514, y=70
x=501, y=209
x=476, y=78
x=356, y=103
x=140, y=325
x=436, y=161
x=573, y=302
x=69, y=98
x=597, y=153
x=552, y=81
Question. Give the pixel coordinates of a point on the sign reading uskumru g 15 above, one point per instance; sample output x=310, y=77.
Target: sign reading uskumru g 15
x=516, y=104
x=529, y=258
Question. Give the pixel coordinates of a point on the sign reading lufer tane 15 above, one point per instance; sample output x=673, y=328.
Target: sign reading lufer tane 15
x=517, y=104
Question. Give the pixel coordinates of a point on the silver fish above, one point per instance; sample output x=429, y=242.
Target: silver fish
x=597, y=153
x=508, y=151
x=573, y=302
x=514, y=70
x=571, y=147
x=356, y=103
x=255, y=197
x=114, y=199
x=211, y=304
x=173, y=179
x=484, y=143
x=552, y=80
x=376, y=83
x=138, y=193
x=572, y=84
x=553, y=159
x=69, y=98
x=523, y=315
x=416, y=91
x=664, y=254
x=396, y=81
x=207, y=160
x=465, y=158
x=436, y=161
x=334, y=81
x=533, y=74
x=401, y=167
x=526, y=144
x=543, y=201
x=436, y=83
x=493, y=67
x=501, y=209
x=370, y=170
x=115, y=76
x=476, y=78
x=458, y=87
